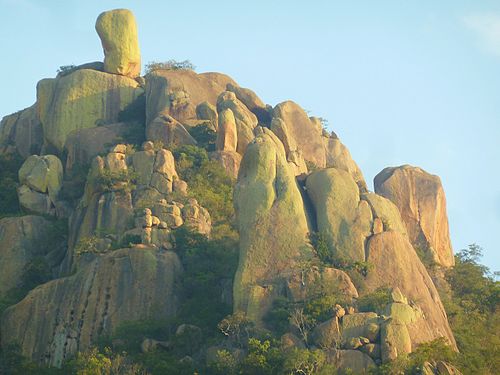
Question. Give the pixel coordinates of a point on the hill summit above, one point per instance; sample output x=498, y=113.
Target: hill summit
x=181, y=203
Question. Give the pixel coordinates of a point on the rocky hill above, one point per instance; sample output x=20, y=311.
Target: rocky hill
x=125, y=185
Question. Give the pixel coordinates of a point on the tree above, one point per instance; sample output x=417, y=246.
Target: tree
x=302, y=322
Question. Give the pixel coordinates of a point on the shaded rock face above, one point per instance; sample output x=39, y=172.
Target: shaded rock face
x=169, y=131
x=21, y=133
x=356, y=361
x=118, y=32
x=421, y=200
x=83, y=99
x=85, y=144
x=21, y=240
x=270, y=216
x=41, y=181
x=66, y=315
x=179, y=92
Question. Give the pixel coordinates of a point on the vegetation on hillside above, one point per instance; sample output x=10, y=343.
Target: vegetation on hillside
x=168, y=65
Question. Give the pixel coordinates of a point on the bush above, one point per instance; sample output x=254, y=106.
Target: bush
x=376, y=301
x=116, y=181
x=204, y=135
x=209, y=265
x=433, y=351
x=207, y=181
x=168, y=65
x=473, y=309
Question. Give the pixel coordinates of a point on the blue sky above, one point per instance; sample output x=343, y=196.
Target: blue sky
x=414, y=82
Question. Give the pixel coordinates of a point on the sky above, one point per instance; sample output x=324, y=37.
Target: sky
x=401, y=82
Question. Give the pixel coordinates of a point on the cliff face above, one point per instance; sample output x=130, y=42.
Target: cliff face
x=300, y=231
x=66, y=315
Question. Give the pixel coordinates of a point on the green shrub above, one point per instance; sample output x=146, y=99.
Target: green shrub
x=209, y=266
x=204, y=135
x=124, y=179
x=277, y=317
x=433, y=351
x=376, y=301
x=207, y=181
x=168, y=65
x=473, y=309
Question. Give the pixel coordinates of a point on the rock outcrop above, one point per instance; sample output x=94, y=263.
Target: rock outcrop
x=69, y=314
x=118, y=32
x=168, y=131
x=252, y=102
x=22, y=239
x=179, y=92
x=406, y=272
x=341, y=215
x=272, y=225
x=21, y=133
x=245, y=120
x=305, y=133
x=83, y=99
x=420, y=198
x=226, y=143
x=83, y=145
x=40, y=179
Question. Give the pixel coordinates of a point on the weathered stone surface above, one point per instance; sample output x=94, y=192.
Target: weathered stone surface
x=208, y=112
x=357, y=362
x=420, y=198
x=227, y=136
x=21, y=132
x=386, y=211
x=169, y=131
x=21, y=239
x=229, y=160
x=300, y=284
x=179, y=92
x=272, y=224
x=403, y=312
x=342, y=217
x=326, y=335
x=43, y=174
x=294, y=155
x=68, y=314
x=83, y=99
x=41, y=180
x=394, y=340
x=406, y=272
x=118, y=32
x=245, y=120
x=373, y=350
x=85, y=144
x=32, y=201
x=360, y=325
x=252, y=102
x=196, y=217
x=306, y=134
x=338, y=156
